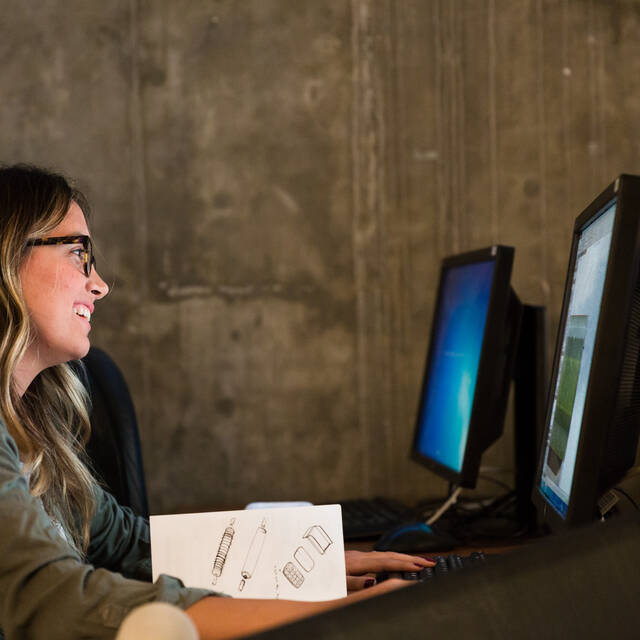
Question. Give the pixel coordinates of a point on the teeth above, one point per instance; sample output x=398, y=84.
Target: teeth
x=83, y=311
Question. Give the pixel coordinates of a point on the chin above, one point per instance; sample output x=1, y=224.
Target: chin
x=82, y=352
x=78, y=351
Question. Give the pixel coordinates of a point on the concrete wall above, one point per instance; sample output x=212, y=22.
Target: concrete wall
x=274, y=184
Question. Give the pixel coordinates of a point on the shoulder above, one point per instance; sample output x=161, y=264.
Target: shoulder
x=9, y=454
x=13, y=483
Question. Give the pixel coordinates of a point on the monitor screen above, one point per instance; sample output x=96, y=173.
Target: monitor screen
x=578, y=341
x=457, y=346
x=468, y=368
x=592, y=419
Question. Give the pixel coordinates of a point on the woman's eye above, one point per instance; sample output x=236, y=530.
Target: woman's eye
x=79, y=252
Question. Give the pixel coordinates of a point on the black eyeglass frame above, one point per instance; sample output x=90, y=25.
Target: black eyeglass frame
x=89, y=261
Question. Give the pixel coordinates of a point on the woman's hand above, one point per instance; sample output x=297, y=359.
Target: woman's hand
x=361, y=566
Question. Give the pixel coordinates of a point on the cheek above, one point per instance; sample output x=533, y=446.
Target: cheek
x=48, y=292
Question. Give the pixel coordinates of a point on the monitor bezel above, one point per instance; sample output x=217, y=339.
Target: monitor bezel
x=608, y=354
x=488, y=389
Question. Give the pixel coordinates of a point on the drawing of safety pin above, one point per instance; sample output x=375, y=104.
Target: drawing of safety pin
x=223, y=551
x=253, y=555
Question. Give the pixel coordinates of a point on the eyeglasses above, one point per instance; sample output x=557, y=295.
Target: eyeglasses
x=88, y=260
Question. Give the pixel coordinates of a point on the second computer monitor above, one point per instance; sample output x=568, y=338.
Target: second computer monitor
x=469, y=364
x=593, y=412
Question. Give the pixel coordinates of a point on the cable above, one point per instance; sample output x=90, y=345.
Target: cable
x=450, y=500
x=628, y=497
x=466, y=505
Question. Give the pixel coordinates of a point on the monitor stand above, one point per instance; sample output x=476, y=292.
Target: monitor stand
x=530, y=391
x=530, y=396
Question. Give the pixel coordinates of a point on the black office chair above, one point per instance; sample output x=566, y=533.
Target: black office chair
x=114, y=445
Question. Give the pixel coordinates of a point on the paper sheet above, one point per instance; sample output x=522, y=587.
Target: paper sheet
x=290, y=553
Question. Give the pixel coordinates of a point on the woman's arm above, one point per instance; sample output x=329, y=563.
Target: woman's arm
x=120, y=540
x=219, y=618
x=46, y=589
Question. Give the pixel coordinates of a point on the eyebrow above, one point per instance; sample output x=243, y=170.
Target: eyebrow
x=71, y=235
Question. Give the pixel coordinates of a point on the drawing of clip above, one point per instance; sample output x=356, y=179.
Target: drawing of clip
x=319, y=538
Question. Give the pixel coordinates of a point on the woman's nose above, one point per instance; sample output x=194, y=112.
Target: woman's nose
x=98, y=287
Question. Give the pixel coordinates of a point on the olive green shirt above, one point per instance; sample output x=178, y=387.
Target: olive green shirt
x=47, y=591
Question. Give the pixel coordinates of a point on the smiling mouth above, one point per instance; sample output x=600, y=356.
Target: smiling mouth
x=83, y=312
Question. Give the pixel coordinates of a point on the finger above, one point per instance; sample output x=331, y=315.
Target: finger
x=357, y=583
x=392, y=584
x=395, y=556
x=405, y=557
x=375, y=561
x=384, y=586
x=408, y=563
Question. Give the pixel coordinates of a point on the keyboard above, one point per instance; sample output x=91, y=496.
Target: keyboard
x=371, y=517
x=444, y=565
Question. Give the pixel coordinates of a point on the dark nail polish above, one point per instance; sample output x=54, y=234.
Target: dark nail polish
x=369, y=583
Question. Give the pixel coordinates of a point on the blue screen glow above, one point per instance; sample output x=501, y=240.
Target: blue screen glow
x=453, y=369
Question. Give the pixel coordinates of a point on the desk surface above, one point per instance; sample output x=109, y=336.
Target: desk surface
x=583, y=584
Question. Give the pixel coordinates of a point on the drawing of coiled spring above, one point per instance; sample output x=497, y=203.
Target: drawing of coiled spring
x=253, y=554
x=223, y=551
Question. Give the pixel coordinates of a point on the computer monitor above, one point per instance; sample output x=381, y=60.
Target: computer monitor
x=593, y=411
x=474, y=338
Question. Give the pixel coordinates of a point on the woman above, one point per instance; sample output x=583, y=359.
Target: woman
x=72, y=562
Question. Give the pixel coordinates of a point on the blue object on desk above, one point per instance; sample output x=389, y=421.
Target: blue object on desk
x=414, y=537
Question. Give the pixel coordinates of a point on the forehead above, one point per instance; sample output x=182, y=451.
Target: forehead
x=72, y=224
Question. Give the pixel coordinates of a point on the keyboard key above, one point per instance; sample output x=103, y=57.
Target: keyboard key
x=444, y=566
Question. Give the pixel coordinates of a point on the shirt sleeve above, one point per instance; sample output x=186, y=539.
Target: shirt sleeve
x=119, y=540
x=47, y=590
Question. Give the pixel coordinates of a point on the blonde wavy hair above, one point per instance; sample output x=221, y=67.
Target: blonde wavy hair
x=50, y=422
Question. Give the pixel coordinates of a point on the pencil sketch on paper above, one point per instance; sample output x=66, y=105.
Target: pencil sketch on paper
x=320, y=541
x=319, y=538
x=253, y=554
x=293, y=575
x=223, y=551
x=293, y=553
x=303, y=558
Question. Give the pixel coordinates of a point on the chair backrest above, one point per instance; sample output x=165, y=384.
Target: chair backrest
x=114, y=445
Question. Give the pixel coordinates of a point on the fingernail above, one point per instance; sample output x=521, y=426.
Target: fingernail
x=369, y=583
x=430, y=559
